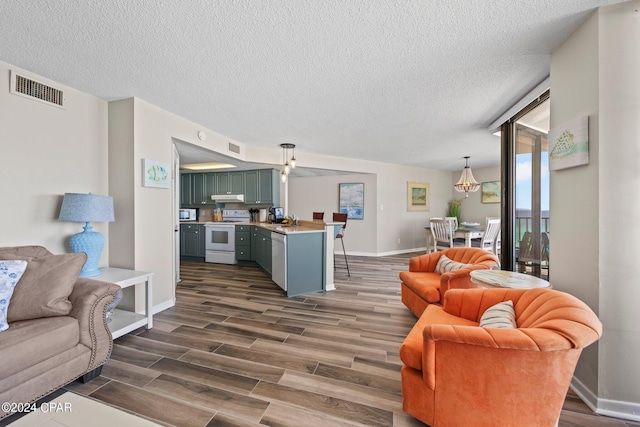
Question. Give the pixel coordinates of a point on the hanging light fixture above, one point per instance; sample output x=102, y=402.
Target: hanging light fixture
x=293, y=157
x=466, y=183
x=285, y=156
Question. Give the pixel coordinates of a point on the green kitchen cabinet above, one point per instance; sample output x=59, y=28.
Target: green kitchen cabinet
x=192, y=241
x=229, y=183
x=203, y=185
x=185, y=190
x=243, y=243
x=261, y=247
x=262, y=187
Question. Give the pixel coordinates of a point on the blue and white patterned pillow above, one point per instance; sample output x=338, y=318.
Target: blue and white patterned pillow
x=10, y=273
x=446, y=265
x=500, y=315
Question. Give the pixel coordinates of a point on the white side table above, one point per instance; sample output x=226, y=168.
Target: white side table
x=123, y=321
x=507, y=279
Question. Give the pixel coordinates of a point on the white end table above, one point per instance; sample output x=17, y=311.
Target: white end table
x=124, y=321
x=507, y=279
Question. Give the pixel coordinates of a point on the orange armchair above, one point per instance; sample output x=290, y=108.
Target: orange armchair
x=422, y=286
x=456, y=373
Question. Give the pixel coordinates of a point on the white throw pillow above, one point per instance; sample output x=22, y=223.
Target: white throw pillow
x=500, y=315
x=10, y=273
x=445, y=265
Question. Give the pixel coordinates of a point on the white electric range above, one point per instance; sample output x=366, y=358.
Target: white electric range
x=220, y=239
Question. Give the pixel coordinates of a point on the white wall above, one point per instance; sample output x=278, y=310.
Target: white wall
x=386, y=218
x=320, y=194
x=619, y=231
x=46, y=152
x=574, y=227
x=595, y=233
x=143, y=239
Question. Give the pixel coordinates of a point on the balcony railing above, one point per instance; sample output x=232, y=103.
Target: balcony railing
x=536, y=260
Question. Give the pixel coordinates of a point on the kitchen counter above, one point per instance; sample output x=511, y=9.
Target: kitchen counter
x=286, y=229
x=299, y=258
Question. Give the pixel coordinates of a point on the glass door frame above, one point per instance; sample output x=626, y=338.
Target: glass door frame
x=508, y=176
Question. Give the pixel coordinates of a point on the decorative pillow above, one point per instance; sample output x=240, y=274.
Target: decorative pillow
x=445, y=265
x=500, y=315
x=10, y=272
x=45, y=286
x=25, y=251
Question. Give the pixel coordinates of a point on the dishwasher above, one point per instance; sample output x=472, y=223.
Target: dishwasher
x=279, y=259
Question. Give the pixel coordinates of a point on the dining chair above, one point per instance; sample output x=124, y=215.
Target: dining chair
x=490, y=236
x=442, y=233
x=341, y=217
x=453, y=220
x=318, y=215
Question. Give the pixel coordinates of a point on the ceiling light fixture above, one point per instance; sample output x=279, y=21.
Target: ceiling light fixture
x=207, y=166
x=466, y=183
x=285, y=162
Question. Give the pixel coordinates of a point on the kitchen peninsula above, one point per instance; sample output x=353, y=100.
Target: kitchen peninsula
x=299, y=258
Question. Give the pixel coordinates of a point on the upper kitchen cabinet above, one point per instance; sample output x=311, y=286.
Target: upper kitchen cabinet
x=262, y=187
x=229, y=183
x=202, y=187
x=185, y=190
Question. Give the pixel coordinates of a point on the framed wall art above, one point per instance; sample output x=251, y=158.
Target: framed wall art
x=417, y=196
x=491, y=192
x=569, y=144
x=156, y=174
x=351, y=200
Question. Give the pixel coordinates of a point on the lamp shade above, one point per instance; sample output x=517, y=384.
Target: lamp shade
x=467, y=182
x=77, y=207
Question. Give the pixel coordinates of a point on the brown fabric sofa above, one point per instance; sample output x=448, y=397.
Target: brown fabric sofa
x=422, y=286
x=456, y=373
x=57, y=329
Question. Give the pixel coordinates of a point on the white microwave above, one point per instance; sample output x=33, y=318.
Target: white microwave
x=188, y=215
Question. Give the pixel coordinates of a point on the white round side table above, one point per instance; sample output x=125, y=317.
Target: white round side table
x=507, y=279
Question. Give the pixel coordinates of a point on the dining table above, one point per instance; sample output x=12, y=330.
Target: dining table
x=463, y=231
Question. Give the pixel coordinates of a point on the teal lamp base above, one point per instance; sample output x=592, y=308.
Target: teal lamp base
x=90, y=242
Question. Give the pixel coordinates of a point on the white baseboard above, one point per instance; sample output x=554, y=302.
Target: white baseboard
x=163, y=306
x=609, y=408
x=379, y=254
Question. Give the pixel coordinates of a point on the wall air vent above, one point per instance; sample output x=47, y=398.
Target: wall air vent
x=37, y=91
x=234, y=148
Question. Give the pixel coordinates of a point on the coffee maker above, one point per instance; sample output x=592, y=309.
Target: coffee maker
x=276, y=215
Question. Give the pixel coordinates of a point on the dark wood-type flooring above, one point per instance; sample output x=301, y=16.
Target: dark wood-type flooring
x=234, y=351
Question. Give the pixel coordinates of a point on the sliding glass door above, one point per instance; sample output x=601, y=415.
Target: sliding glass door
x=526, y=174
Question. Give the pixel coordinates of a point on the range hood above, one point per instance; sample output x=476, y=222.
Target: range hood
x=227, y=197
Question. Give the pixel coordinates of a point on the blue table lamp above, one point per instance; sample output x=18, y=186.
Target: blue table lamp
x=86, y=208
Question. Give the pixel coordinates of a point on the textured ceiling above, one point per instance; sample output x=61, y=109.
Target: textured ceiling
x=413, y=82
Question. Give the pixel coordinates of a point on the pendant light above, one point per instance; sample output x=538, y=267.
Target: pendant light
x=285, y=156
x=466, y=183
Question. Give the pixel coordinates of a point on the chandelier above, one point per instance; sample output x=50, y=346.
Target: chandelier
x=466, y=183
x=287, y=163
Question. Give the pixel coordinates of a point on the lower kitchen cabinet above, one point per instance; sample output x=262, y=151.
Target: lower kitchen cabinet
x=261, y=248
x=243, y=243
x=192, y=241
x=300, y=261
x=305, y=263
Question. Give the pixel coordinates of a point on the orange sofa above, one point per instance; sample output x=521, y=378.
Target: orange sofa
x=456, y=373
x=422, y=286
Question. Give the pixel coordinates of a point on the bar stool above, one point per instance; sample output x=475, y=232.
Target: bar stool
x=318, y=215
x=341, y=217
